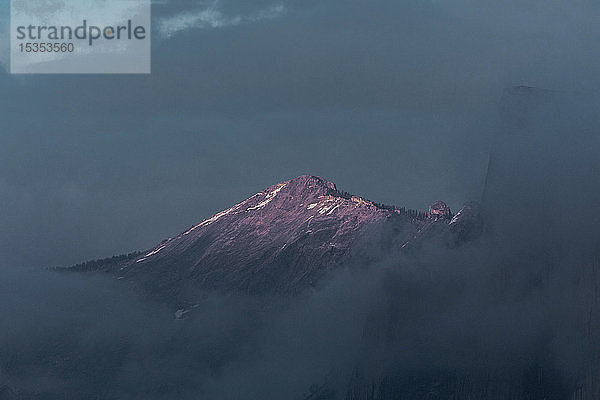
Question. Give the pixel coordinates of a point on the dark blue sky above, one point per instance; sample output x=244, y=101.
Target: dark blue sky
x=393, y=100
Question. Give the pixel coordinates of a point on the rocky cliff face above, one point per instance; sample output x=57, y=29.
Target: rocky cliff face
x=282, y=239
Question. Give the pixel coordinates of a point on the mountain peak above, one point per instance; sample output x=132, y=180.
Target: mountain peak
x=284, y=237
x=312, y=180
x=307, y=185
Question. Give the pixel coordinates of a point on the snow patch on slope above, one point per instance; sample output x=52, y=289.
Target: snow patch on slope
x=152, y=253
x=213, y=218
x=333, y=209
x=456, y=218
x=270, y=196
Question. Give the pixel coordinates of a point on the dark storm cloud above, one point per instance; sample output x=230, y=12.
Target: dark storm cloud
x=394, y=101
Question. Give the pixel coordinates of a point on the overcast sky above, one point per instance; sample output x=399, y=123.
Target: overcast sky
x=393, y=100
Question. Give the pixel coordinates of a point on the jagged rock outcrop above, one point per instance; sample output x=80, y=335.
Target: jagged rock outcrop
x=439, y=210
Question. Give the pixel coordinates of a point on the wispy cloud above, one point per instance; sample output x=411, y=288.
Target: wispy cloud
x=212, y=18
